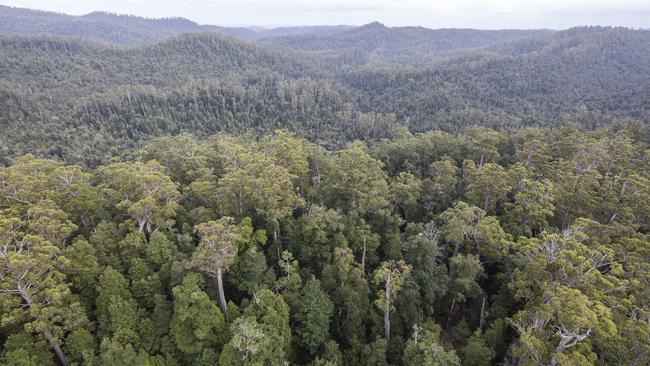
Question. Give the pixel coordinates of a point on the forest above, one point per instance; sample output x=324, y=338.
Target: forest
x=182, y=194
x=429, y=249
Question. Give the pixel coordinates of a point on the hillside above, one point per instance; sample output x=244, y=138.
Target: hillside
x=204, y=83
x=589, y=75
x=201, y=83
x=405, y=45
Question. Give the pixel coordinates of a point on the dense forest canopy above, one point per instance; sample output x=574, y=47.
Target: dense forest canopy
x=183, y=194
x=488, y=247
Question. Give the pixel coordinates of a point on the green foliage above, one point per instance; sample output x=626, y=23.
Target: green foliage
x=197, y=323
x=96, y=266
x=261, y=335
x=313, y=316
x=355, y=181
x=476, y=352
x=424, y=348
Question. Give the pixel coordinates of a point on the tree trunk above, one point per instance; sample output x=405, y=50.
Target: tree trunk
x=451, y=310
x=482, y=322
x=387, y=308
x=363, y=257
x=222, y=297
x=57, y=349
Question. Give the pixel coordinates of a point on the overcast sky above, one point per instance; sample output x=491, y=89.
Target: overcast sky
x=486, y=14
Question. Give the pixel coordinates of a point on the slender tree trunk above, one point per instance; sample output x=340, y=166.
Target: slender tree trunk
x=57, y=349
x=387, y=308
x=482, y=322
x=451, y=310
x=363, y=257
x=222, y=297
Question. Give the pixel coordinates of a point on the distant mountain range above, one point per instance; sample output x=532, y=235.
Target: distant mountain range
x=73, y=87
x=127, y=29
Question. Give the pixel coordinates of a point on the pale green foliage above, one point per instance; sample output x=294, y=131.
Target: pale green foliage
x=532, y=207
x=143, y=191
x=425, y=349
x=218, y=247
x=254, y=183
x=405, y=191
x=469, y=228
x=487, y=184
x=261, y=335
x=391, y=275
x=289, y=152
x=31, y=267
x=440, y=189
x=481, y=145
x=561, y=281
x=355, y=181
x=184, y=159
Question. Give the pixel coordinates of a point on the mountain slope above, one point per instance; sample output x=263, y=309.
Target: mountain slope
x=603, y=70
x=75, y=99
x=412, y=45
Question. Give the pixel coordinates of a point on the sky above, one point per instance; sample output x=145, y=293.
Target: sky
x=482, y=14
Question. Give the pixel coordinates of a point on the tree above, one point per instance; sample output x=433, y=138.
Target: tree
x=363, y=241
x=355, y=181
x=315, y=235
x=476, y=352
x=532, y=207
x=405, y=191
x=217, y=251
x=254, y=184
x=561, y=280
x=344, y=281
x=486, y=185
x=464, y=271
x=143, y=191
x=184, y=159
x=118, y=313
x=439, y=190
x=422, y=252
x=32, y=284
x=30, y=180
x=261, y=335
x=197, y=323
x=289, y=152
x=468, y=227
x=391, y=276
x=482, y=145
x=313, y=316
x=425, y=349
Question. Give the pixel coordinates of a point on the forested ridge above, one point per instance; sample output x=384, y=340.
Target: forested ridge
x=183, y=194
x=116, y=96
